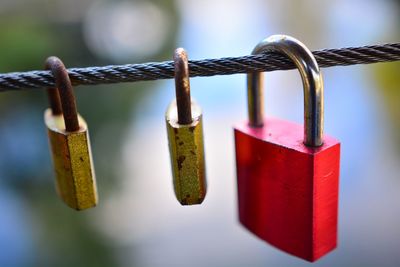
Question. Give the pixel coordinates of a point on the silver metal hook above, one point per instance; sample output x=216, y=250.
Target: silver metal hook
x=312, y=85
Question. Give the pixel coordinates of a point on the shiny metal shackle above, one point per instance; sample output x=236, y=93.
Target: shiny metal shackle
x=312, y=85
x=62, y=98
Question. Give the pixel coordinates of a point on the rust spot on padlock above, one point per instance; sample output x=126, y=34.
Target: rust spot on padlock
x=185, y=134
x=181, y=159
x=287, y=173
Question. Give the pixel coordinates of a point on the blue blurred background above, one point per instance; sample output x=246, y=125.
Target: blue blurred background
x=138, y=222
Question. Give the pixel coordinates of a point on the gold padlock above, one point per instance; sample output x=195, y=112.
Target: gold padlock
x=185, y=135
x=69, y=142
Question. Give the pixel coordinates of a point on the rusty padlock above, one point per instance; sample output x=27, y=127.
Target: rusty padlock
x=69, y=142
x=288, y=174
x=185, y=135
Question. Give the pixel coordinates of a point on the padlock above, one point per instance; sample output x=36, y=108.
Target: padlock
x=185, y=134
x=69, y=142
x=287, y=185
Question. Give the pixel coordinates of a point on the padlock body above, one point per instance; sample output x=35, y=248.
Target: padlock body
x=186, y=146
x=73, y=164
x=288, y=192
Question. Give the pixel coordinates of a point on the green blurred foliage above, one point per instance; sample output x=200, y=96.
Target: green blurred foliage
x=64, y=237
x=388, y=79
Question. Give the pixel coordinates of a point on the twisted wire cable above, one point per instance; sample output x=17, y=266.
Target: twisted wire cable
x=204, y=67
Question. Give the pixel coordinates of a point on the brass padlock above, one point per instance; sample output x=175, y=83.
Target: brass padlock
x=69, y=142
x=185, y=135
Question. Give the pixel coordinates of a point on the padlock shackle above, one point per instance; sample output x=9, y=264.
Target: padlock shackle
x=62, y=98
x=182, y=86
x=312, y=85
x=54, y=100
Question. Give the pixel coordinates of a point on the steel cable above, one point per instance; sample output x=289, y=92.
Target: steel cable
x=203, y=67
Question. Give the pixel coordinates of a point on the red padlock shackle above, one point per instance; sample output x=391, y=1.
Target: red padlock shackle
x=312, y=84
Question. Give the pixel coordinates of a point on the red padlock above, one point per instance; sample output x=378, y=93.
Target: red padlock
x=288, y=174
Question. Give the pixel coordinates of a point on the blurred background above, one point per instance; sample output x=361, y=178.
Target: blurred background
x=138, y=222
